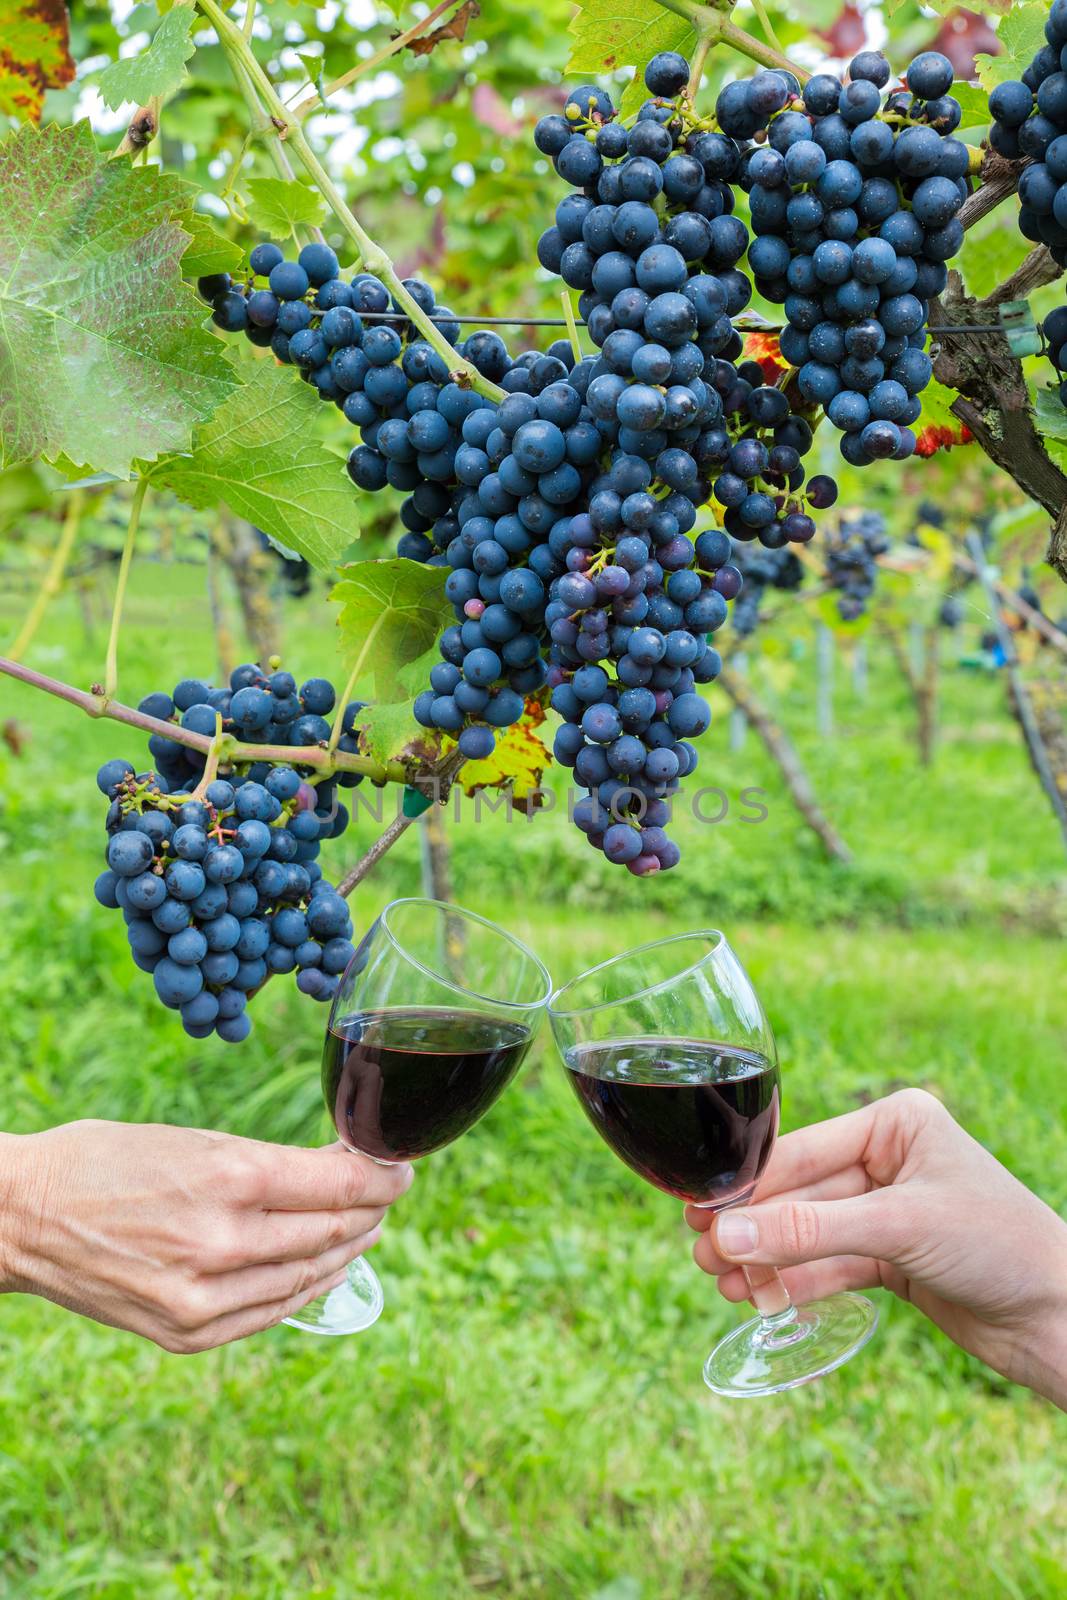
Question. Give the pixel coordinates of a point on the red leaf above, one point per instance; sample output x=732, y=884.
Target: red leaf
x=492, y=111
x=763, y=347
x=848, y=34
x=936, y=437
x=963, y=35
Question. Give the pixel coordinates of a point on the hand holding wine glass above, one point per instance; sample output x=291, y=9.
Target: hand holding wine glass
x=898, y=1195
x=674, y=1063
x=430, y=1023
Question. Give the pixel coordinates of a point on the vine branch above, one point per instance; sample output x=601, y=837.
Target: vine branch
x=399, y=42
x=95, y=704
x=439, y=780
x=713, y=25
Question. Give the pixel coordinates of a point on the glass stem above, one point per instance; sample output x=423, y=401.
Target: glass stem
x=769, y=1294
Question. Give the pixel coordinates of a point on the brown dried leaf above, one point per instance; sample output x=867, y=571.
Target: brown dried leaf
x=455, y=28
x=15, y=736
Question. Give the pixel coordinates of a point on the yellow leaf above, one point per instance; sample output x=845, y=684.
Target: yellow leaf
x=517, y=763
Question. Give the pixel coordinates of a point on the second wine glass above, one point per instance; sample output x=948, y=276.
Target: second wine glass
x=430, y=1023
x=674, y=1063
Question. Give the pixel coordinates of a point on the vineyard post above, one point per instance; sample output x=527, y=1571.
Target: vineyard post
x=738, y=720
x=928, y=693
x=860, y=673
x=1031, y=730
x=783, y=753
x=824, y=680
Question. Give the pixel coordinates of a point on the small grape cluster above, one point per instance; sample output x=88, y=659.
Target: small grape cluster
x=761, y=570
x=1054, y=330
x=221, y=892
x=851, y=554
x=855, y=206
x=258, y=707
x=219, y=881
x=1030, y=120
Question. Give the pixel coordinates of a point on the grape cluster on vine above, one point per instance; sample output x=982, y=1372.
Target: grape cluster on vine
x=762, y=570
x=218, y=881
x=568, y=514
x=1030, y=121
x=850, y=553
x=1054, y=330
x=855, y=205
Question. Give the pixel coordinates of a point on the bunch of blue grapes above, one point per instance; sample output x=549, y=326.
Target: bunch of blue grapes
x=850, y=553
x=855, y=206
x=221, y=892
x=761, y=570
x=257, y=707
x=1030, y=121
x=564, y=512
x=384, y=378
x=649, y=239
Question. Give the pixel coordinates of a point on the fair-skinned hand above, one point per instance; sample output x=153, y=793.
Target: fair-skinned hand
x=898, y=1195
x=188, y=1237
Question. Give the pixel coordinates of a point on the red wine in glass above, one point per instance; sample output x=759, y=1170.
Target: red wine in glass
x=402, y=1082
x=695, y=1118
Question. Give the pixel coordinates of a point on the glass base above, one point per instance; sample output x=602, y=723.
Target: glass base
x=769, y=1354
x=352, y=1307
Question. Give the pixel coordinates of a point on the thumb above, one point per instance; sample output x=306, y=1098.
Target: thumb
x=788, y=1232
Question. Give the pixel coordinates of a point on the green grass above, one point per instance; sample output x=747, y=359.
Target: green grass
x=528, y=1418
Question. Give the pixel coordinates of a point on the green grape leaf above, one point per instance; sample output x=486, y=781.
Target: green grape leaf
x=35, y=56
x=1051, y=414
x=974, y=104
x=260, y=454
x=157, y=70
x=388, y=732
x=609, y=34
x=1021, y=36
x=207, y=251
x=391, y=613
x=103, y=352
x=282, y=204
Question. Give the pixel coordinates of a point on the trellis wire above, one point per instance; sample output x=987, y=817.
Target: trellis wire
x=558, y=322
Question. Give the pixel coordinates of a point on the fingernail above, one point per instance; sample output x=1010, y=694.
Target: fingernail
x=736, y=1234
x=408, y=1176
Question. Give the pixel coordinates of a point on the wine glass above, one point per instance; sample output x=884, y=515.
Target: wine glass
x=430, y=1023
x=674, y=1063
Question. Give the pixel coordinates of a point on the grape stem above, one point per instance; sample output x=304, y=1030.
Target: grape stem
x=95, y=704
x=111, y=670
x=211, y=765
x=572, y=326
x=53, y=578
x=261, y=127
x=316, y=102
x=371, y=255
x=713, y=25
x=765, y=23
x=342, y=704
